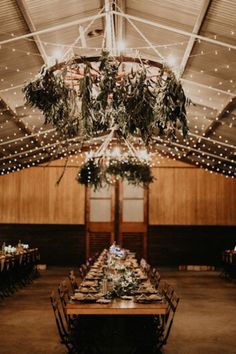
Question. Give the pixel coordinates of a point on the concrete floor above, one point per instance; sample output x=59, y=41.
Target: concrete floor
x=205, y=321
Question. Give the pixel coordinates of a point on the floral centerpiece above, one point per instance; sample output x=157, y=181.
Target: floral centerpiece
x=121, y=277
x=125, y=283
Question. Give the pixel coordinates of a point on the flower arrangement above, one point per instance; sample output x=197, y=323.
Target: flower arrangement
x=124, y=283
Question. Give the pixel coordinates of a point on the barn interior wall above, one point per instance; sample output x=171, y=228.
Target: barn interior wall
x=192, y=214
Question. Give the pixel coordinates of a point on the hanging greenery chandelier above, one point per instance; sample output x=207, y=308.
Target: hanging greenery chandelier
x=90, y=97
x=98, y=173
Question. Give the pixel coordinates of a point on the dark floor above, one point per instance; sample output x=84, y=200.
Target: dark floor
x=205, y=321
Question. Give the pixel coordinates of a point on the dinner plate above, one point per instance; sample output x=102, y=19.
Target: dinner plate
x=86, y=290
x=148, y=299
x=84, y=300
x=103, y=301
x=127, y=297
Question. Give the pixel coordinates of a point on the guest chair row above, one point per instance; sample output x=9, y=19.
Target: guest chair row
x=16, y=271
x=69, y=326
x=163, y=323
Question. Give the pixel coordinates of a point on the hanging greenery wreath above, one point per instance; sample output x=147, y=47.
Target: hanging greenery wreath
x=97, y=173
x=133, y=170
x=137, y=102
x=90, y=174
x=83, y=100
x=58, y=102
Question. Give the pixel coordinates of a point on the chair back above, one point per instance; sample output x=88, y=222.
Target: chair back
x=2, y=264
x=58, y=317
x=72, y=281
x=173, y=304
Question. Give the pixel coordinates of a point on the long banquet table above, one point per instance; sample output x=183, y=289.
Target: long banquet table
x=117, y=306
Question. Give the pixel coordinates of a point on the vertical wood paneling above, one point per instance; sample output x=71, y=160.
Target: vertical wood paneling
x=226, y=195
x=190, y=196
x=9, y=198
x=32, y=197
x=33, y=200
x=161, y=197
x=180, y=195
x=206, y=198
x=66, y=200
x=184, y=195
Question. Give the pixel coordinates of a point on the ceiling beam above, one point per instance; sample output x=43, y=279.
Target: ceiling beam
x=22, y=5
x=53, y=28
x=82, y=32
x=211, y=167
x=120, y=25
x=196, y=29
x=38, y=141
x=173, y=29
x=19, y=124
x=212, y=141
x=73, y=141
x=37, y=134
x=195, y=83
x=134, y=18
x=229, y=108
x=195, y=150
x=73, y=150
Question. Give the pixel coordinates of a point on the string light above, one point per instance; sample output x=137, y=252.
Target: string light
x=165, y=149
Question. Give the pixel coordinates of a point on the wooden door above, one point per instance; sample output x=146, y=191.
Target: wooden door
x=118, y=213
x=99, y=219
x=133, y=218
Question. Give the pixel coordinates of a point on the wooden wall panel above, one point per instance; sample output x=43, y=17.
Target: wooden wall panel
x=32, y=197
x=226, y=200
x=184, y=195
x=190, y=196
x=66, y=200
x=161, y=192
x=180, y=195
x=9, y=198
x=33, y=200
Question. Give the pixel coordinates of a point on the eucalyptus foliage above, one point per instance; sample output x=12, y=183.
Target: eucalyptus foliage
x=97, y=173
x=57, y=101
x=133, y=170
x=135, y=103
x=108, y=99
x=90, y=174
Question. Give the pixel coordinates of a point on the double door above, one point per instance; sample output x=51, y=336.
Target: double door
x=117, y=213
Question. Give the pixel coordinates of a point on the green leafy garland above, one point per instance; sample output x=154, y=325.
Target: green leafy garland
x=90, y=174
x=96, y=173
x=58, y=102
x=133, y=170
x=135, y=103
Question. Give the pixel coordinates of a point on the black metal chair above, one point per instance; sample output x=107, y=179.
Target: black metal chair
x=165, y=322
x=67, y=337
x=64, y=296
x=73, y=282
x=155, y=277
